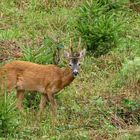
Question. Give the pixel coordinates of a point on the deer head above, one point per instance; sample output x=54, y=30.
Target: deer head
x=74, y=59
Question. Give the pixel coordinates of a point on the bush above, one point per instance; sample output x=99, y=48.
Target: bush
x=99, y=27
x=48, y=52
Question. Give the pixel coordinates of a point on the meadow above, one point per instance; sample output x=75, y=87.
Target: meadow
x=103, y=102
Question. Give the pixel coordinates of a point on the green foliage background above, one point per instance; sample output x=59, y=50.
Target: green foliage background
x=103, y=101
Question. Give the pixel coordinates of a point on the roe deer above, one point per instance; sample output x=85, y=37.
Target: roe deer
x=46, y=79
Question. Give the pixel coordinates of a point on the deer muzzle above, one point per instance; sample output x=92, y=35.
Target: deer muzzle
x=75, y=73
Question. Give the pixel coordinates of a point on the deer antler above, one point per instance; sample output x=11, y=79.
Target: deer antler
x=79, y=42
x=71, y=46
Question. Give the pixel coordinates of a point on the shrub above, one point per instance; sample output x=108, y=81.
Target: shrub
x=48, y=52
x=98, y=27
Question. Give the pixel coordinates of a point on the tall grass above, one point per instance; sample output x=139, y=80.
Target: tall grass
x=8, y=121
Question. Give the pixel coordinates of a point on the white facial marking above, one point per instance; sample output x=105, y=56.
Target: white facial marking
x=75, y=71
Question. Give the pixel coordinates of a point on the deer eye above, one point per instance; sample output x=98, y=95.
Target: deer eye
x=79, y=64
x=70, y=64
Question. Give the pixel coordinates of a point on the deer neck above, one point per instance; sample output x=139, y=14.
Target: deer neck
x=67, y=77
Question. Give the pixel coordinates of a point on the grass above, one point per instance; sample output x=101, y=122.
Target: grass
x=103, y=101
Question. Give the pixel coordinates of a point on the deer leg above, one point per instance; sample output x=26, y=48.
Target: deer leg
x=20, y=97
x=53, y=103
x=42, y=104
x=11, y=80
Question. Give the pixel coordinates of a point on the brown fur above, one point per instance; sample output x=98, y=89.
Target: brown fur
x=48, y=80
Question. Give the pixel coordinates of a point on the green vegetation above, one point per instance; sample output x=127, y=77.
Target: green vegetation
x=100, y=25
x=8, y=121
x=103, y=102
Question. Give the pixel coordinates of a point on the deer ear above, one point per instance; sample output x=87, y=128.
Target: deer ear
x=82, y=53
x=66, y=54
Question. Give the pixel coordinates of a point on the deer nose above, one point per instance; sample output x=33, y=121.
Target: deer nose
x=75, y=72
